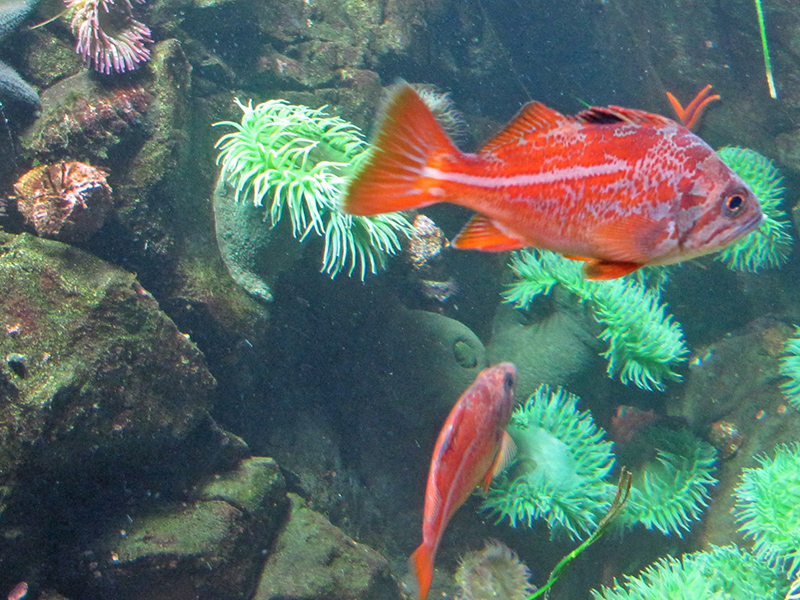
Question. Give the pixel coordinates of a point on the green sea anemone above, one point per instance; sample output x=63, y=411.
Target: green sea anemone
x=768, y=508
x=644, y=343
x=562, y=462
x=721, y=573
x=770, y=244
x=790, y=367
x=671, y=485
x=295, y=159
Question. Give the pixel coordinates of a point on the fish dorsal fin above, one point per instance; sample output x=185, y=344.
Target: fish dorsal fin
x=505, y=456
x=533, y=117
x=481, y=233
x=598, y=115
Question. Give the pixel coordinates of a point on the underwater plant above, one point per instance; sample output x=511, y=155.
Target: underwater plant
x=644, y=343
x=295, y=159
x=768, y=508
x=563, y=460
x=721, y=573
x=790, y=367
x=671, y=489
x=770, y=244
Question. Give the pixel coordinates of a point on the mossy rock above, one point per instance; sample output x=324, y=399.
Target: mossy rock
x=314, y=560
x=90, y=364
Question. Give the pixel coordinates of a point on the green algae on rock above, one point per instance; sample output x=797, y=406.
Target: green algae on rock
x=313, y=559
x=103, y=366
x=211, y=547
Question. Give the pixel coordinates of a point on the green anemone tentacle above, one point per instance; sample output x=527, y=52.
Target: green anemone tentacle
x=296, y=160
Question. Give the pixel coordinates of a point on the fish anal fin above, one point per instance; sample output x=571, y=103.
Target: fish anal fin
x=482, y=233
x=533, y=117
x=600, y=269
x=505, y=456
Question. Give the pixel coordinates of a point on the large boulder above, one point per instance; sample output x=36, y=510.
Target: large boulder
x=312, y=559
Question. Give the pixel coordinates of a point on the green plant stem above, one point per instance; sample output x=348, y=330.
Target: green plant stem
x=623, y=490
x=767, y=62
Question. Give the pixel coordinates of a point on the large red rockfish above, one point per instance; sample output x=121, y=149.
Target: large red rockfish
x=617, y=187
x=471, y=448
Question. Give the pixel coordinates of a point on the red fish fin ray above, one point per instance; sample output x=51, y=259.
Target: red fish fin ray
x=482, y=233
x=421, y=563
x=533, y=117
x=408, y=139
x=583, y=258
x=599, y=270
x=505, y=456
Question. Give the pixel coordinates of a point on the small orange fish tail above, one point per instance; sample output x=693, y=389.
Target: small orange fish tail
x=421, y=563
x=408, y=140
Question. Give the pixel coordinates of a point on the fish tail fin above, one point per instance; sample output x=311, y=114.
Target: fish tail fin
x=421, y=563
x=408, y=140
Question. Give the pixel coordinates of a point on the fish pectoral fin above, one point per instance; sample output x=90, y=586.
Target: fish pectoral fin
x=505, y=456
x=482, y=233
x=632, y=239
x=601, y=269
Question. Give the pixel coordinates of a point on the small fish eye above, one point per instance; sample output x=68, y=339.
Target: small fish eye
x=734, y=203
x=508, y=381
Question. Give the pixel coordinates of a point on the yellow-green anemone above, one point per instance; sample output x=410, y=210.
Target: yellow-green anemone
x=562, y=462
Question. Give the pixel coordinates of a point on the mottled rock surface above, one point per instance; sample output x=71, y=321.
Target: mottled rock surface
x=88, y=358
x=735, y=381
x=212, y=548
x=312, y=559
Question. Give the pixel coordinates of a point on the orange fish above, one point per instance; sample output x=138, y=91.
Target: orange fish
x=617, y=187
x=472, y=447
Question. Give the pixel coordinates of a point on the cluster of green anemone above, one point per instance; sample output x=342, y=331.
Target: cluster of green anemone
x=563, y=467
x=644, y=343
x=767, y=510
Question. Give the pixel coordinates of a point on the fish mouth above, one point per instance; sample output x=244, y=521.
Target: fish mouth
x=746, y=228
x=757, y=221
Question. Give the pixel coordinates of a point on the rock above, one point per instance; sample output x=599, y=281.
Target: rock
x=558, y=350
x=90, y=364
x=312, y=559
x=735, y=382
x=254, y=253
x=212, y=548
x=429, y=361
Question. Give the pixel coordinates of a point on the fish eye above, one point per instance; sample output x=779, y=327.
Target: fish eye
x=508, y=381
x=733, y=203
